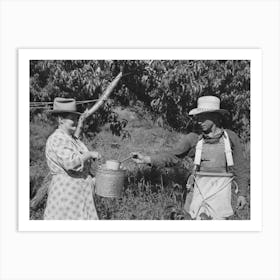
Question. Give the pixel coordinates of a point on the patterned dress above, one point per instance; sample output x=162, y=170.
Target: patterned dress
x=70, y=195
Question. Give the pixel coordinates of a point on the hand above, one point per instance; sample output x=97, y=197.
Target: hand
x=241, y=202
x=190, y=182
x=139, y=158
x=95, y=155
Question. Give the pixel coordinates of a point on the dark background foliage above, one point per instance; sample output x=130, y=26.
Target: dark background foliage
x=166, y=89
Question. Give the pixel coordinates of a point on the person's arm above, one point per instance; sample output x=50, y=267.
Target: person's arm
x=170, y=158
x=240, y=169
x=90, y=155
x=68, y=157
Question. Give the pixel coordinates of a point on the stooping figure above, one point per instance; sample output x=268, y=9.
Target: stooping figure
x=218, y=162
x=70, y=195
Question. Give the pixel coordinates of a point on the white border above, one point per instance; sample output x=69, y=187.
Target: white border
x=25, y=55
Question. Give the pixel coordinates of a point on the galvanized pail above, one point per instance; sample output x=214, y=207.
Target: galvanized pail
x=109, y=183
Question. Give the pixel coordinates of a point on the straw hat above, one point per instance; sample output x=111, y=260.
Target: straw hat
x=208, y=104
x=64, y=105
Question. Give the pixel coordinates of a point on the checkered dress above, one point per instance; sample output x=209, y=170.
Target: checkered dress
x=70, y=191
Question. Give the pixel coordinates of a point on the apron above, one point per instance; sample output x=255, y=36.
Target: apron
x=70, y=195
x=211, y=193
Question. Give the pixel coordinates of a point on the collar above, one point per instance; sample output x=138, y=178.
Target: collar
x=66, y=134
x=212, y=139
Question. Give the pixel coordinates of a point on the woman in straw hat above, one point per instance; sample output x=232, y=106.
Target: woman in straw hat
x=70, y=193
x=218, y=159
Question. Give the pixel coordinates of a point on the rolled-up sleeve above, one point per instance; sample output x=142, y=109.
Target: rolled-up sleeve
x=67, y=156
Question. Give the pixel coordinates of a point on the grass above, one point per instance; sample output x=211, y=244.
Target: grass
x=149, y=193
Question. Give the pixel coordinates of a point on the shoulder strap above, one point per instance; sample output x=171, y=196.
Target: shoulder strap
x=198, y=152
x=228, y=151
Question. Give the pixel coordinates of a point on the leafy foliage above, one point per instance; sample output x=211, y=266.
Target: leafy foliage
x=79, y=79
x=168, y=89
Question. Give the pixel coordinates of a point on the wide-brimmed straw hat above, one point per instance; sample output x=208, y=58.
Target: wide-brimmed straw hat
x=64, y=105
x=208, y=104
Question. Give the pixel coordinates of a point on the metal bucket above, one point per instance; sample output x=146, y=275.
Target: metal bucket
x=109, y=183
